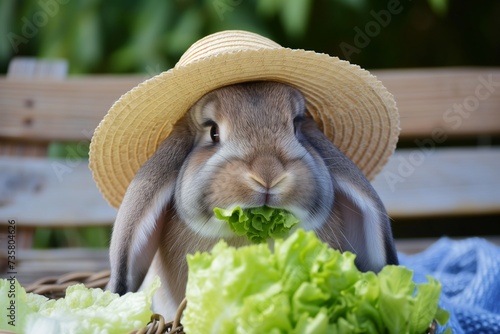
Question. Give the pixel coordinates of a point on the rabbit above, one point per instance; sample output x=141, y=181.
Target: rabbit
x=248, y=144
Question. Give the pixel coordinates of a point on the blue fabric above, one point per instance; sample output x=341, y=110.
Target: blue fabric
x=469, y=271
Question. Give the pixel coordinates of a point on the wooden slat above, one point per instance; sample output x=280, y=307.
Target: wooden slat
x=33, y=264
x=22, y=148
x=57, y=193
x=428, y=100
x=71, y=109
x=30, y=68
x=58, y=110
x=444, y=182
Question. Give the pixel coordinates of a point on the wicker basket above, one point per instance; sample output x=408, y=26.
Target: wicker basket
x=55, y=287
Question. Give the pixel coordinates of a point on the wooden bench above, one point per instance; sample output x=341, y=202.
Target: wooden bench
x=445, y=175
x=435, y=175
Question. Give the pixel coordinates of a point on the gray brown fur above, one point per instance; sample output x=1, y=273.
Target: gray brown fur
x=270, y=153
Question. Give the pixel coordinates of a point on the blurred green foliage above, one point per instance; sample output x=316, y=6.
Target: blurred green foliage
x=71, y=150
x=88, y=237
x=149, y=36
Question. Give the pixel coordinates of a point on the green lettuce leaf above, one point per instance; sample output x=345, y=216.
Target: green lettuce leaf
x=303, y=286
x=18, y=304
x=258, y=224
x=82, y=310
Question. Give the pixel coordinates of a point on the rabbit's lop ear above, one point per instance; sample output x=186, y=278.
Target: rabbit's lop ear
x=364, y=224
x=140, y=218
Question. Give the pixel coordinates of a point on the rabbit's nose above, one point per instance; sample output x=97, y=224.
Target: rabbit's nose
x=270, y=183
x=267, y=172
x=268, y=189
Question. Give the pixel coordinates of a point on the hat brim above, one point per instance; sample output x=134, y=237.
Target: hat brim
x=353, y=109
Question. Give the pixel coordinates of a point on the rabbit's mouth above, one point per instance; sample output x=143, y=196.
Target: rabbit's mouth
x=270, y=198
x=258, y=224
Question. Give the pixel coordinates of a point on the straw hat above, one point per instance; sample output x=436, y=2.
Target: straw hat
x=353, y=109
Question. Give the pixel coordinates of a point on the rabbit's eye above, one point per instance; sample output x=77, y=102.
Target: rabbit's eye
x=214, y=133
x=296, y=123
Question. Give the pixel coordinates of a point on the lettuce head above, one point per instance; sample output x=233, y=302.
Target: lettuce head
x=83, y=310
x=258, y=224
x=303, y=286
